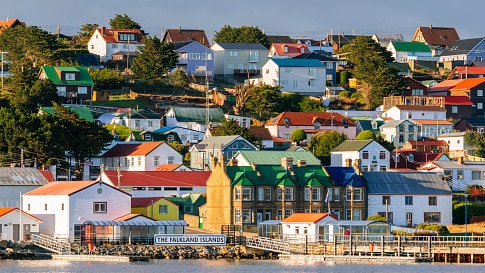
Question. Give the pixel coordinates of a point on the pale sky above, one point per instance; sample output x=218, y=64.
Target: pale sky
x=311, y=19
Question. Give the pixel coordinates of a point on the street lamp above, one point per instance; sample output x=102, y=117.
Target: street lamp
x=466, y=216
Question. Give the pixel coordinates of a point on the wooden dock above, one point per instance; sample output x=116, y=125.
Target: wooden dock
x=354, y=259
x=98, y=258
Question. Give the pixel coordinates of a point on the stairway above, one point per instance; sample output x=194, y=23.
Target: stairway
x=51, y=244
x=268, y=244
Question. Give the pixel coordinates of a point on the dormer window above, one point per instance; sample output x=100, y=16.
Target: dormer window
x=302, y=50
x=285, y=49
x=70, y=76
x=374, y=125
x=316, y=125
x=287, y=123
x=443, y=37
x=126, y=37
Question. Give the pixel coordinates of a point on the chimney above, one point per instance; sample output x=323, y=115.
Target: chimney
x=287, y=163
x=430, y=26
x=348, y=162
x=358, y=166
x=301, y=163
x=103, y=30
x=180, y=28
x=254, y=168
x=233, y=162
x=461, y=160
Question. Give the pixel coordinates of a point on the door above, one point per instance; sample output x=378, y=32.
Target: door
x=409, y=219
x=16, y=232
x=26, y=232
x=268, y=215
x=259, y=215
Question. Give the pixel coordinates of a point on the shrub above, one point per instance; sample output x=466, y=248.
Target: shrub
x=433, y=227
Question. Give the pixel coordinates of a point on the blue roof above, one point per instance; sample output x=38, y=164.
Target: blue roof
x=164, y=129
x=345, y=176
x=298, y=62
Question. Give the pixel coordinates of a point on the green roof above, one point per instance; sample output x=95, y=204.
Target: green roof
x=194, y=114
x=352, y=145
x=82, y=112
x=242, y=180
x=367, y=125
x=274, y=157
x=411, y=46
x=51, y=73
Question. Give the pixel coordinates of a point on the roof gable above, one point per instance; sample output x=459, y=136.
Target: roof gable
x=436, y=36
x=53, y=73
x=289, y=49
x=132, y=149
x=185, y=35
x=410, y=46
x=353, y=145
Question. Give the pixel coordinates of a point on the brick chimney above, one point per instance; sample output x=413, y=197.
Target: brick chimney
x=461, y=160
x=287, y=163
x=301, y=163
x=348, y=162
x=103, y=30
x=358, y=166
x=233, y=162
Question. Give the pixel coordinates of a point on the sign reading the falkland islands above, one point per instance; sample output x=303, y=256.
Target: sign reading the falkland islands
x=190, y=239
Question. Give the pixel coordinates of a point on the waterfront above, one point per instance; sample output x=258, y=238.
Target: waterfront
x=226, y=265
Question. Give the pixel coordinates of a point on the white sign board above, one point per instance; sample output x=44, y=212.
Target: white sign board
x=190, y=239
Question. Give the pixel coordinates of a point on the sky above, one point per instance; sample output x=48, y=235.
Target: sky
x=311, y=19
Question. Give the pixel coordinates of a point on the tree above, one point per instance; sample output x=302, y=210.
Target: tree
x=311, y=105
x=243, y=34
x=290, y=102
x=154, y=59
x=242, y=93
x=476, y=140
x=179, y=78
x=42, y=93
x=264, y=99
x=369, y=64
x=85, y=33
x=322, y=144
x=124, y=22
x=297, y=136
x=106, y=79
x=366, y=134
x=229, y=127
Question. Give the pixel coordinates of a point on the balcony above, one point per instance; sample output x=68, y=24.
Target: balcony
x=251, y=72
x=201, y=72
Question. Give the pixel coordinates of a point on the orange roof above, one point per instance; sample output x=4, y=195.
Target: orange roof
x=306, y=217
x=309, y=118
x=470, y=69
x=130, y=216
x=11, y=22
x=167, y=167
x=291, y=49
x=132, y=149
x=65, y=188
x=111, y=35
x=469, y=83
x=444, y=85
x=157, y=178
x=4, y=211
x=432, y=122
x=47, y=174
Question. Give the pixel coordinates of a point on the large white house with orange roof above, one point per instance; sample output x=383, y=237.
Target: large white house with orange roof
x=302, y=226
x=11, y=219
x=143, y=156
x=311, y=122
x=286, y=50
x=65, y=206
x=121, y=43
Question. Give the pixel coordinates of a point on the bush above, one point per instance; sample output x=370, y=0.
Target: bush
x=344, y=94
x=433, y=227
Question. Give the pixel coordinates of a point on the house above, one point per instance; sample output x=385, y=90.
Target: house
x=457, y=147
x=248, y=158
x=372, y=125
x=140, y=119
x=168, y=136
x=302, y=76
x=202, y=153
x=398, y=132
x=11, y=219
x=195, y=59
x=329, y=62
x=193, y=118
x=155, y=184
x=311, y=122
x=118, y=45
x=305, y=226
x=438, y=38
x=415, y=88
x=188, y=203
x=346, y=199
x=81, y=111
x=185, y=135
x=466, y=51
x=404, y=52
x=287, y=50
x=410, y=159
x=409, y=198
x=248, y=195
x=177, y=35
x=425, y=146
x=465, y=72
x=414, y=112
x=385, y=39
x=239, y=61
x=443, y=88
x=402, y=69
x=72, y=83
x=316, y=46
x=263, y=135
x=458, y=107
x=159, y=208
x=459, y=175
x=241, y=121
x=373, y=156
x=65, y=206
x=472, y=124
x=339, y=40
x=432, y=128
x=174, y=168
x=144, y=156
x=15, y=181
x=473, y=89
x=10, y=22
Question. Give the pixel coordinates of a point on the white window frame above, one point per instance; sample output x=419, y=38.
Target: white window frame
x=82, y=90
x=100, y=207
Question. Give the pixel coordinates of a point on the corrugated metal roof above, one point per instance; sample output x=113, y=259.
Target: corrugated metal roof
x=274, y=157
x=352, y=145
x=51, y=73
x=242, y=46
x=298, y=63
x=82, y=112
x=398, y=183
x=411, y=46
x=21, y=177
x=137, y=223
x=194, y=114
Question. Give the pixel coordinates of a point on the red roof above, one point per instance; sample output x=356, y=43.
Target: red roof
x=457, y=100
x=470, y=69
x=469, y=83
x=261, y=132
x=47, y=174
x=111, y=35
x=7, y=210
x=132, y=149
x=444, y=85
x=306, y=217
x=185, y=35
x=437, y=36
x=144, y=201
x=157, y=178
x=309, y=119
x=291, y=49
x=65, y=188
x=432, y=122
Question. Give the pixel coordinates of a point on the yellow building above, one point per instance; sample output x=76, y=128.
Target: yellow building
x=157, y=208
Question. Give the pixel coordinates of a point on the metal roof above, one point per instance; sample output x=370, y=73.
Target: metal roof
x=136, y=223
x=360, y=223
x=21, y=177
x=411, y=183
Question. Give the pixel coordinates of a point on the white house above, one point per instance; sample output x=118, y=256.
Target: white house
x=11, y=219
x=372, y=155
x=157, y=183
x=142, y=119
x=409, y=198
x=413, y=112
x=398, y=132
x=303, y=76
x=305, y=226
x=107, y=42
x=458, y=174
x=65, y=206
x=404, y=52
x=456, y=144
x=14, y=181
x=144, y=156
x=193, y=118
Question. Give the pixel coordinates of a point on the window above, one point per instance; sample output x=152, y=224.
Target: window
x=479, y=105
x=186, y=189
x=288, y=212
x=454, y=109
x=288, y=194
x=61, y=91
x=99, y=207
x=170, y=160
x=479, y=93
x=386, y=200
x=169, y=188
x=459, y=174
x=312, y=73
x=162, y=209
x=365, y=155
x=156, y=160
x=237, y=193
x=62, y=206
x=382, y=168
x=133, y=162
x=139, y=161
x=401, y=138
x=126, y=37
x=206, y=56
x=70, y=76
x=410, y=128
x=408, y=200
x=247, y=194
x=246, y=216
x=288, y=70
x=432, y=217
x=432, y=200
x=148, y=137
x=260, y=194
x=307, y=194
x=316, y=194
x=357, y=195
x=279, y=215
x=237, y=215
x=356, y=215
x=382, y=155
x=45, y=206
x=267, y=194
x=417, y=92
x=329, y=65
x=336, y=194
x=267, y=71
x=476, y=175
x=154, y=188
x=233, y=53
